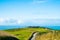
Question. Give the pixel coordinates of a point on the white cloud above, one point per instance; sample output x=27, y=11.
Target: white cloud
x=33, y=19
x=19, y=21
x=1, y=20
x=39, y=1
x=10, y=21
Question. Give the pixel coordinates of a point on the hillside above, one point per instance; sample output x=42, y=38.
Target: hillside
x=7, y=36
x=53, y=35
x=26, y=33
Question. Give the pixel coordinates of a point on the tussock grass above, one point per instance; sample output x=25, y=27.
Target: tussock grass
x=53, y=35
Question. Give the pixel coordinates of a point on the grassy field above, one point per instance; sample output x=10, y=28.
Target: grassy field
x=25, y=33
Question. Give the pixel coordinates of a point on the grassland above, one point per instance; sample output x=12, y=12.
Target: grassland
x=25, y=33
x=53, y=35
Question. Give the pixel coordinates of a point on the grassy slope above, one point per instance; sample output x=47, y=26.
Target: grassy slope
x=25, y=33
x=53, y=35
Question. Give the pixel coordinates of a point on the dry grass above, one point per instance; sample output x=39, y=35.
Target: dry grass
x=54, y=35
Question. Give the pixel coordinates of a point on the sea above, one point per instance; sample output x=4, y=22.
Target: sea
x=9, y=27
x=53, y=27
x=12, y=27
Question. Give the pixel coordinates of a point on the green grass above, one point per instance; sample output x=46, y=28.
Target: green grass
x=25, y=33
x=44, y=33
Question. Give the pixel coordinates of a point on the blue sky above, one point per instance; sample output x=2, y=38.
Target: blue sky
x=30, y=12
